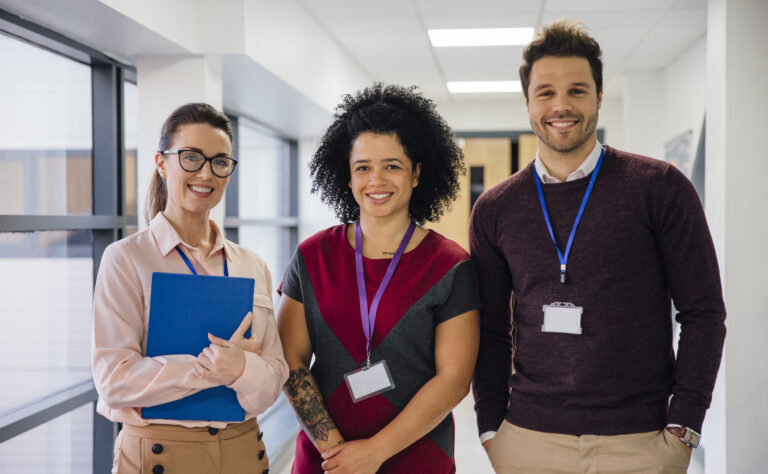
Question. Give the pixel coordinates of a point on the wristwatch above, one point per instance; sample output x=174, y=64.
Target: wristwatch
x=689, y=437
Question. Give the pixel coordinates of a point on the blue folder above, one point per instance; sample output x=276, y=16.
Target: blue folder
x=183, y=310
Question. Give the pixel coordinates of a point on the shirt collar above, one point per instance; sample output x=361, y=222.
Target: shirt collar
x=168, y=239
x=586, y=167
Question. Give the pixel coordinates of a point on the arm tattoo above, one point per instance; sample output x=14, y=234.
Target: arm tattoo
x=304, y=395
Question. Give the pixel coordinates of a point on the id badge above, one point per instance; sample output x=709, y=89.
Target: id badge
x=369, y=381
x=562, y=317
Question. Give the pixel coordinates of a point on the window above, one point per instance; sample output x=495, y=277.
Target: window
x=261, y=198
x=61, y=159
x=67, y=442
x=46, y=288
x=45, y=149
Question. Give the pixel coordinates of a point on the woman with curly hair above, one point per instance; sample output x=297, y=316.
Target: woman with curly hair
x=387, y=307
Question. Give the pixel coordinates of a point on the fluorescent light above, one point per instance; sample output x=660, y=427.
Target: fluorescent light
x=480, y=37
x=468, y=87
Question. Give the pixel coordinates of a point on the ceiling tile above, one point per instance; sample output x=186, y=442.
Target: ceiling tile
x=674, y=33
x=442, y=7
x=612, y=19
x=477, y=20
x=690, y=5
x=606, y=5
x=359, y=8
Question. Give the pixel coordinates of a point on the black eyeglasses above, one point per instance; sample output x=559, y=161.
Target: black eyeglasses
x=193, y=160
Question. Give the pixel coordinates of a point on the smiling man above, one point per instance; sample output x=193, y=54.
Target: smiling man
x=580, y=256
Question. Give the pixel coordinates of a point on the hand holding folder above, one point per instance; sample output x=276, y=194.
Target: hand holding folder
x=183, y=310
x=223, y=361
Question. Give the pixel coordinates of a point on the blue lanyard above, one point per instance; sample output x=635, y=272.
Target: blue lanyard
x=564, y=258
x=194, y=272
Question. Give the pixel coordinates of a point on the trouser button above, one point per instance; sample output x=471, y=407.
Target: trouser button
x=157, y=448
x=213, y=431
x=158, y=469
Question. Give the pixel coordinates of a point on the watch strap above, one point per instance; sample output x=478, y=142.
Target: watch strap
x=688, y=436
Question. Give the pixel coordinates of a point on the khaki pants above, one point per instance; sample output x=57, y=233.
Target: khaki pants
x=237, y=449
x=518, y=450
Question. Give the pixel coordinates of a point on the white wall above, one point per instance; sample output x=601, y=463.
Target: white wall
x=285, y=39
x=684, y=86
x=281, y=37
x=642, y=100
x=610, y=120
x=737, y=59
x=662, y=104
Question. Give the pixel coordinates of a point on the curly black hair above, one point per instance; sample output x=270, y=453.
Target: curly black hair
x=426, y=139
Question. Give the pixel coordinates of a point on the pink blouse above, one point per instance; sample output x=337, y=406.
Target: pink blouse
x=124, y=378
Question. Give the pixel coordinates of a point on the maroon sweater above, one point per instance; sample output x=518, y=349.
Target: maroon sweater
x=643, y=242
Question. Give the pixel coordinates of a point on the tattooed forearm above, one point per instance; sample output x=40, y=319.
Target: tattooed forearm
x=304, y=395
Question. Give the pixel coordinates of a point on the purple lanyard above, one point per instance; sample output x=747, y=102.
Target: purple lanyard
x=194, y=272
x=369, y=317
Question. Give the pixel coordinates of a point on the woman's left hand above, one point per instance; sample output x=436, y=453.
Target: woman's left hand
x=352, y=457
x=223, y=361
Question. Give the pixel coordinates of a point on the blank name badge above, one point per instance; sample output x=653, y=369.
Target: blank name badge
x=369, y=381
x=562, y=317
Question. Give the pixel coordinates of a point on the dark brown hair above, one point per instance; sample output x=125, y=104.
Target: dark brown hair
x=563, y=38
x=195, y=112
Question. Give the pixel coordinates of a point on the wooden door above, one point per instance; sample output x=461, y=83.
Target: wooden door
x=491, y=159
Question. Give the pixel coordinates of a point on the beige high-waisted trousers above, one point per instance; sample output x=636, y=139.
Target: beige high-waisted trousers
x=169, y=449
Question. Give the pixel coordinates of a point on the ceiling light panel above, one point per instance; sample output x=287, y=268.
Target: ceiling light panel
x=480, y=37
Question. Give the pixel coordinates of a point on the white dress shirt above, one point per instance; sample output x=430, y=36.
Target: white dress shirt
x=586, y=167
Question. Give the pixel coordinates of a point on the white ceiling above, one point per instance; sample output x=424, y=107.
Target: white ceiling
x=389, y=39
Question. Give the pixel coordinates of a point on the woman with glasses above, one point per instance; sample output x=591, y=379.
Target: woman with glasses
x=387, y=308
x=193, y=166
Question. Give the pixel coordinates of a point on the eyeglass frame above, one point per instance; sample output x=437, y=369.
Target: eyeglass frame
x=206, y=159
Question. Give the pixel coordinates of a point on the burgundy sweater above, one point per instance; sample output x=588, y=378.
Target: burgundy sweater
x=643, y=242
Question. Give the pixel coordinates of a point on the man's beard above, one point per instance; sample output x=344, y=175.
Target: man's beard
x=546, y=135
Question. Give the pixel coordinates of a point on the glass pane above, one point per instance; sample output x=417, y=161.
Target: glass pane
x=45, y=144
x=46, y=289
x=63, y=445
x=270, y=243
x=131, y=121
x=263, y=172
